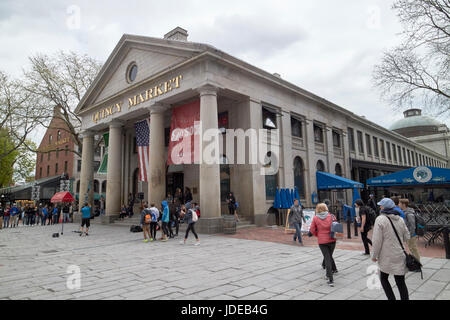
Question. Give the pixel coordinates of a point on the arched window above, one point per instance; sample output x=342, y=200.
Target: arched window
x=320, y=166
x=58, y=136
x=104, y=186
x=225, y=184
x=50, y=139
x=299, y=176
x=96, y=185
x=338, y=170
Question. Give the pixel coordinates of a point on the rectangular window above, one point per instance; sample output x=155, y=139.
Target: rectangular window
x=65, y=166
x=399, y=149
x=416, y=163
x=42, y=157
x=78, y=165
x=271, y=186
x=269, y=119
x=48, y=156
x=67, y=150
x=336, y=139
x=394, y=151
x=56, y=168
x=40, y=172
x=375, y=147
x=360, y=142
x=296, y=128
x=382, y=150
x=57, y=153
x=404, y=155
x=409, y=157
x=368, y=145
x=388, y=149
x=351, y=139
x=48, y=171
x=318, y=133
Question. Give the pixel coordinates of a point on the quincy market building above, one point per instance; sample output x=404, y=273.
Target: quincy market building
x=147, y=77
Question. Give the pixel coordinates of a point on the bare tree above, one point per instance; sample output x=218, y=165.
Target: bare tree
x=61, y=80
x=418, y=70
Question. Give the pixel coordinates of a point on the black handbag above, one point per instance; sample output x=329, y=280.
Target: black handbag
x=412, y=263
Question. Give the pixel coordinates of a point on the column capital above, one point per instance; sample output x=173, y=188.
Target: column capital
x=158, y=107
x=115, y=124
x=87, y=133
x=208, y=90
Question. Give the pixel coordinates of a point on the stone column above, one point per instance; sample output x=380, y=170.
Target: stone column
x=87, y=170
x=156, y=161
x=211, y=221
x=114, y=173
x=310, y=170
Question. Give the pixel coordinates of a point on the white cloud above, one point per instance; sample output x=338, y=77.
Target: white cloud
x=327, y=47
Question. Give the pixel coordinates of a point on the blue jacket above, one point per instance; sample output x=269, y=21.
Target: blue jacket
x=14, y=210
x=402, y=214
x=45, y=211
x=165, y=217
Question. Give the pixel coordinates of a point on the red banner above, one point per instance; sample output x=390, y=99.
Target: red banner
x=183, y=133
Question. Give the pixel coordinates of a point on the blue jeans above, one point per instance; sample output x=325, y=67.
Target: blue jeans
x=298, y=233
x=6, y=222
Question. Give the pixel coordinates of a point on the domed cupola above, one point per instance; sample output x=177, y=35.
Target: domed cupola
x=414, y=124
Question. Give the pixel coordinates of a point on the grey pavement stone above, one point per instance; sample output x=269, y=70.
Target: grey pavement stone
x=114, y=265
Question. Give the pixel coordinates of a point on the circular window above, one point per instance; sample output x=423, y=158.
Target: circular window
x=132, y=72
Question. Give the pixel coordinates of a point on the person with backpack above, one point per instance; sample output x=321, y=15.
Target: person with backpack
x=165, y=220
x=367, y=218
x=389, y=232
x=155, y=215
x=411, y=224
x=146, y=220
x=190, y=217
x=85, y=218
x=321, y=228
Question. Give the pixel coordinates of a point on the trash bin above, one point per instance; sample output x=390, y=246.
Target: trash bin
x=229, y=224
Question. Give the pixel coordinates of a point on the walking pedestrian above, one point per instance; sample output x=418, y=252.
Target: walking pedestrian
x=14, y=215
x=295, y=219
x=154, y=223
x=146, y=220
x=55, y=214
x=372, y=202
x=363, y=212
x=85, y=218
x=321, y=228
x=411, y=224
x=189, y=219
x=2, y=212
x=165, y=220
x=6, y=217
x=387, y=250
x=44, y=215
x=66, y=213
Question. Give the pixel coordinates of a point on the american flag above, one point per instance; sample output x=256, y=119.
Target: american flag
x=142, y=143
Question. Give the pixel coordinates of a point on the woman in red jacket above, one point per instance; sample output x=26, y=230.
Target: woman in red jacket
x=321, y=228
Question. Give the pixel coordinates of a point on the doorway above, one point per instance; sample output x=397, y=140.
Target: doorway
x=174, y=180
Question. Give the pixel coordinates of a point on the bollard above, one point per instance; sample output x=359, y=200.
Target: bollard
x=356, y=228
x=447, y=243
x=349, y=229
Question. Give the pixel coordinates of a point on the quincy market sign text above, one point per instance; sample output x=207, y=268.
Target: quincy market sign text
x=148, y=94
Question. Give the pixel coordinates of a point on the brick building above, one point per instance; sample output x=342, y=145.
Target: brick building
x=55, y=157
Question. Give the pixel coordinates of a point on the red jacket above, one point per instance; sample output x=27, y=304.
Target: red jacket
x=322, y=229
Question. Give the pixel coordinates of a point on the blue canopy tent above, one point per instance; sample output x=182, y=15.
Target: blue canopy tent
x=277, y=201
x=420, y=176
x=328, y=181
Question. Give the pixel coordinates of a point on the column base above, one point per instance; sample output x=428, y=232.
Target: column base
x=262, y=220
x=209, y=225
x=107, y=219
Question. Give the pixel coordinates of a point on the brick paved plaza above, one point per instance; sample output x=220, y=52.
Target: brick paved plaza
x=116, y=264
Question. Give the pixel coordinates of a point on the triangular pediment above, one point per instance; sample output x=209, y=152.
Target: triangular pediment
x=151, y=56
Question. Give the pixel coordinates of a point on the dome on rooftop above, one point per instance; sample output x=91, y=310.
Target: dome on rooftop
x=415, y=124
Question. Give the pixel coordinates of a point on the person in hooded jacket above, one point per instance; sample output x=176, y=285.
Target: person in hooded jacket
x=295, y=219
x=387, y=250
x=165, y=220
x=186, y=213
x=321, y=228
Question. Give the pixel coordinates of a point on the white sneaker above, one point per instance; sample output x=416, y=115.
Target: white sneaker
x=182, y=242
x=197, y=243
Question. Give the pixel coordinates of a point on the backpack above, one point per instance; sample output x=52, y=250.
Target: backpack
x=194, y=215
x=148, y=218
x=135, y=229
x=198, y=213
x=370, y=216
x=420, y=225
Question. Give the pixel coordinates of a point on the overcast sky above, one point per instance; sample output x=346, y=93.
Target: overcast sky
x=327, y=47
